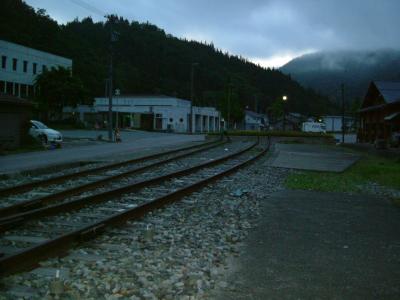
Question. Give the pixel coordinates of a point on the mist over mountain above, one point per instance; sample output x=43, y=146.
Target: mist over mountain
x=326, y=71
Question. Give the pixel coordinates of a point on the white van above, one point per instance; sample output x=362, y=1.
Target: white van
x=313, y=127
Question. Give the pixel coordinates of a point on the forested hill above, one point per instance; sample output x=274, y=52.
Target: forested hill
x=147, y=60
x=325, y=71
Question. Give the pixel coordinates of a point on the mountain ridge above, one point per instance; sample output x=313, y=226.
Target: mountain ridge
x=325, y=71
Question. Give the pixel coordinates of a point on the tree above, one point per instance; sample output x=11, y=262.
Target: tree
x=147, y=60
x=277, y=109
x=56, y=89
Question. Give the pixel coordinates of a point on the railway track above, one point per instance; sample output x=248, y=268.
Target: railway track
x=52, y=189
x=51, y=230
x=73, y=173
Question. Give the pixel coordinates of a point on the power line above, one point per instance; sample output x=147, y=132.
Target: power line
x=89, y=7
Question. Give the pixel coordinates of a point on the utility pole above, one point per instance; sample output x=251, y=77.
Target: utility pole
x=229, y=103
x=343, y=125
x=110, y=84
x=192, y=96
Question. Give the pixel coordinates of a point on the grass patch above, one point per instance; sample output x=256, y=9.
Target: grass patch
x=385, y=172
x=274, y=133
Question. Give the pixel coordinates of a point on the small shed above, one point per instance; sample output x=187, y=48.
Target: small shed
x=14, y=117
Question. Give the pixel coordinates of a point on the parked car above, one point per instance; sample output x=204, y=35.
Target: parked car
x=45, y=134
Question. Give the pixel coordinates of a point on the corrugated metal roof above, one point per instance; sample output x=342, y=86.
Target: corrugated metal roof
x=390, y=90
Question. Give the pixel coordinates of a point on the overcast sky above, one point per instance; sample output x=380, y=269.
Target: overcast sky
x=268, y=32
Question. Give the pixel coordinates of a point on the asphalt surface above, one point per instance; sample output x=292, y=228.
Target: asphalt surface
x=132, y=143
x=313, y=245
x=312, y=157
x=126, y=135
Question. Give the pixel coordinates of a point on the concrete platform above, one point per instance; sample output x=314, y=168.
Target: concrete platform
x=143, y=144
x=314, y=245
x=312, y=157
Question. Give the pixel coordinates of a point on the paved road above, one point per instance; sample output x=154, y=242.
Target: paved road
x=312, y=157
x=313, y=245
x=131, y=135
x=142, y=142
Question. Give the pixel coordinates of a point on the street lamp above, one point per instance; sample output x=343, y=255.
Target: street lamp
x=195, y=64
x=284, y=99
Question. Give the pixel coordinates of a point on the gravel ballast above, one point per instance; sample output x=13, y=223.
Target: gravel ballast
x=179, y=252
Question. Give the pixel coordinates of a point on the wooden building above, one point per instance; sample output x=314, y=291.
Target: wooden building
x=380, y=112
x=15, y=114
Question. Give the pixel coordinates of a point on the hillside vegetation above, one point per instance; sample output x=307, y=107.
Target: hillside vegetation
x=149, y=61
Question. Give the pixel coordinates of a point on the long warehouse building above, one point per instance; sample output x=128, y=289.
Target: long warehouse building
x=161, y=113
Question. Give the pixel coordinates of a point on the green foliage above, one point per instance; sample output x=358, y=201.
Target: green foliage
x=58, y=88
x=385, y=172
x=275, y=133
x=277, y=109
x=66, y=124
x=148, y=61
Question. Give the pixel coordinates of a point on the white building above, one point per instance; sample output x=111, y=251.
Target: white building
x=254, y=121
x=334, y=123
x=155, y=113
x=20, y=65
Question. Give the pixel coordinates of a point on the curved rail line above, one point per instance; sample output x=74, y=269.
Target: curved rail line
x=17, y=189
x=29, y=257
x=21, y=218
x=28, y=205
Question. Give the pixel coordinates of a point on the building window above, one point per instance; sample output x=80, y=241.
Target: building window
x=44, y=68
x=25, y=66
x=181, y=120
x=171, y=120
x=15, y=64
x=34, y=68
x=4, y=61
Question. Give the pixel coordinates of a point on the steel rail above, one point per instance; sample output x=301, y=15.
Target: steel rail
x=21, y=218
x=17, y=189
x=35, y=203
x=29, y=258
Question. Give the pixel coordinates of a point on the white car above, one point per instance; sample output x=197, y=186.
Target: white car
x=45, y=134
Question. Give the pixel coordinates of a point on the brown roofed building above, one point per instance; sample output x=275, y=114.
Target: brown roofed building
x=380, y=112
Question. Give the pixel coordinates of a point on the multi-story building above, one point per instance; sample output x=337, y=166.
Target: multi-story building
x=20, y=65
